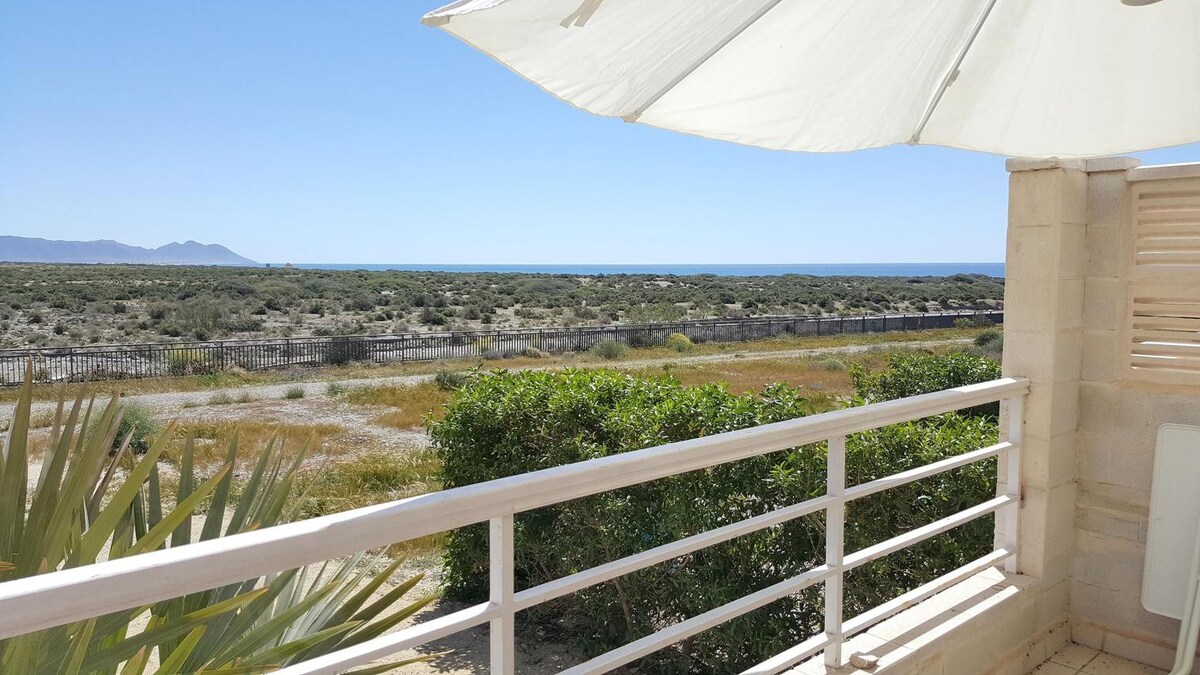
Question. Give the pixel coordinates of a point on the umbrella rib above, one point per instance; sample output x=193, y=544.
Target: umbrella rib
x=952, y=74
x=637, y=113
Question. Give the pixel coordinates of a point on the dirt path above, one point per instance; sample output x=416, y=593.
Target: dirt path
x=166, y=403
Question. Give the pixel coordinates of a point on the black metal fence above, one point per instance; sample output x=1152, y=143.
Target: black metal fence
x=114, y=362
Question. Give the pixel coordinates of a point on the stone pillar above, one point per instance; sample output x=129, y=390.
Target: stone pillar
x=1043, y=339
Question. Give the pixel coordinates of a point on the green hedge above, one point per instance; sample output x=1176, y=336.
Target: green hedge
x=505, y=423
x=914, y=373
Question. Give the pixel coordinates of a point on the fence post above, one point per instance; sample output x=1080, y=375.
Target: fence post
x=501, y=587
x=835, y=523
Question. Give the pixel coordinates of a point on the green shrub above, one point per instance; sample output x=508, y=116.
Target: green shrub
x=294, y=393
x=507, y=423
x=609, y=350
x=972, y=322
x=679, y=342
x=991, y=342
x=914, y=373
x=137, y=420
x=450, y=380
x=830, y=364
x=432, y=317
x=335, y=389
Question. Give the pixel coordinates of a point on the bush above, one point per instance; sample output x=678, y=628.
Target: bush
x=533, y=353
x=990, y=341
x=450, y=380
x=294, y=393
x=609, y=350
x=138, y=421
x=507, y=423
x=830, y=364
x=679, y=342
x=432, y=317
x=914, y=373
x=972, y=322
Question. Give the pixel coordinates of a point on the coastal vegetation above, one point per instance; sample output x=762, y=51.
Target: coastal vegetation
x=356, y=443
x=506, y=423
x=56, y=305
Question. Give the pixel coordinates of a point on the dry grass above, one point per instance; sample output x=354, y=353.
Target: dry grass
x=828, y=374
x=752, y=375
x=368, y=370
x=372, y=478
x=212, y=439
x=413, y=403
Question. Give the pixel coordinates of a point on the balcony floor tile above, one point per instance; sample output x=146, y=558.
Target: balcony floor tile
x=1078, y=660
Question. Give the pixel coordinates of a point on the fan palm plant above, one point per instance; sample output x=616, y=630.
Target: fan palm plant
x=88, y=503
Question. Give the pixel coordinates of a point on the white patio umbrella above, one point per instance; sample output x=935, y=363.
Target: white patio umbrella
x=1031, y=78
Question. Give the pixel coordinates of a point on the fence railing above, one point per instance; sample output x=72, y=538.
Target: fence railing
x=66, y=596
x=114, y=362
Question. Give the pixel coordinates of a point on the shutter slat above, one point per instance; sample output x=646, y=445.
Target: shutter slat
x=1163, y=315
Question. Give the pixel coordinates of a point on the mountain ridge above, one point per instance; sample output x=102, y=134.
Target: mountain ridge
x=108, y=251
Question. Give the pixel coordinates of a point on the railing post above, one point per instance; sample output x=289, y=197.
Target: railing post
x=1012, y=480
x=501, y=630
x=835, y=523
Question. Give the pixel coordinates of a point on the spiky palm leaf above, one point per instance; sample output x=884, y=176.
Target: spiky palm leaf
x=89, y=503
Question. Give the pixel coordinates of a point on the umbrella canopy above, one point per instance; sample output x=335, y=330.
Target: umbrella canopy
x=1031, y=78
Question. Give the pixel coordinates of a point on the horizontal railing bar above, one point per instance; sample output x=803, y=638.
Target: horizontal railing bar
x=699, y=623
x=43, y=601
x=385, y=645
x=923, y=592
x=569, y=584
x=912, y=475
x=808, y=648
x=866, y=555
x=789, y=658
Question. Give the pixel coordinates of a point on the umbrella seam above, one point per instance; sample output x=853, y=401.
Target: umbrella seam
x=686, y=72
x=952, y=74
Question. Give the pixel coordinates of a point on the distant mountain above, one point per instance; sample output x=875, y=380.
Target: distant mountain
x=29, y=249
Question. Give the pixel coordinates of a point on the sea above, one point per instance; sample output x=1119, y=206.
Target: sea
x=993, y=269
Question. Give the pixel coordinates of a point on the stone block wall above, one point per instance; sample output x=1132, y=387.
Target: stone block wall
x=1090, y=427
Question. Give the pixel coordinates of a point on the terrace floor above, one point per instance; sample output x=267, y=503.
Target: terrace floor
x=1077, y=659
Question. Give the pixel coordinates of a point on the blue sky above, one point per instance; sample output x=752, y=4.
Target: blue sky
x=325, y=131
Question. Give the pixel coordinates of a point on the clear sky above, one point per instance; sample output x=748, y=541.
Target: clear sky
x=334, y=131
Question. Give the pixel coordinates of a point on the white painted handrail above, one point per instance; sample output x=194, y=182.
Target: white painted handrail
x=48, y=600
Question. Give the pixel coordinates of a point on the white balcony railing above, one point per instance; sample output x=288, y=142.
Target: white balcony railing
x=63, y=597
